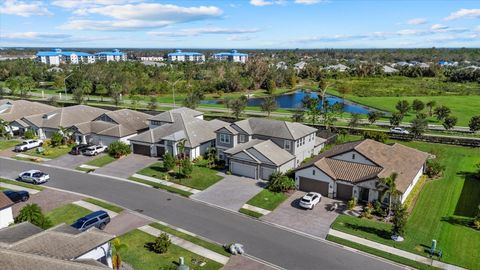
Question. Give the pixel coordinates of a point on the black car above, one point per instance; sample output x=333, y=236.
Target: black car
x=98, y=219
x=17, y=196
x=78, y=149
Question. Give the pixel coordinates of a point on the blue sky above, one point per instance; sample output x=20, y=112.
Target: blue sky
x=240, y=23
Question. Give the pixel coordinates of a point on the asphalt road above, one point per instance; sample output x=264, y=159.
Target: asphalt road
x=272, y=244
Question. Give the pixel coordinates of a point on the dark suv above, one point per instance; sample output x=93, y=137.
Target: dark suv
x=98, y=219
x=78, y=149
x=17, y=196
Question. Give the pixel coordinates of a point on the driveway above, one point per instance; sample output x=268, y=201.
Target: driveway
x=48, y=199
x=125, y=222
x=126, y=166
x=70, y=161
x=315, y=222
x=232, y=192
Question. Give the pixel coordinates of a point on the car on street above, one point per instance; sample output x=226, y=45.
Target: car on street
x=27, y=145
x=17, y=196
x=79, y=149
x=95, y=150
x=309, y=200
x=98, y=219
x=34, y=176
x=399, y=130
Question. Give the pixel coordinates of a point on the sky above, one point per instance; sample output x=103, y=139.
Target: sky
x=240, y=24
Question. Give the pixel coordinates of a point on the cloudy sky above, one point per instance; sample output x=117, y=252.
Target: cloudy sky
x=240, y=23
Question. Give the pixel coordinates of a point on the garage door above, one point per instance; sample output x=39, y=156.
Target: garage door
x=307, y=184
x=141, y=149
x=243, y=169
x=344, y=192
x=160, y=151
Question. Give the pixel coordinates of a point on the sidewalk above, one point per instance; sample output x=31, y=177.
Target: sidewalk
x=92, y=207
x=15, y=187
x=392, y=250
x=166, y=183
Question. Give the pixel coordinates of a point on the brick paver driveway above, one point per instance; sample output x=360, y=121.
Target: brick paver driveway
x=232, y=192
x=70, y=161
x=48, y=199
x=125, y=222
x=126, y=166
x=315, y=222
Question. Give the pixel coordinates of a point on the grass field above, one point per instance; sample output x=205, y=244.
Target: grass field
x=101, y=161
x=250, y=213
x=267, y=199
x=439, y=213
x=5, y=144
x=68, y=214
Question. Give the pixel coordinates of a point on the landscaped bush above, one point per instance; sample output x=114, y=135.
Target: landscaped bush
x=56, y=139
x=434, y=168
x=351, y=203
x=367, y=211
x=118, y=149
x=168, y=162
x=30, y=134
x=476, y=223
x=33, y=213
x=187, y=167
x=161, y=244
x=280, y=183
x=375, y=135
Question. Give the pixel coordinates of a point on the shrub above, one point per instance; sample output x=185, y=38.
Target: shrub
x=30, y=134
x=367, y=211
x=168, y=162
x=476, y=223
x=399, y=220
x=280, y=183
x=187, y=167
x=434, y=168
x=351, y=203
x=33, y=213
x=161, y=244
x=375, y=135
x=379, y=210
x=118, y=149
x=56, y=139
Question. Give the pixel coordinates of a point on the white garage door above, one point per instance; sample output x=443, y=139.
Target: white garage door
x=266, y=172
x=243, y=169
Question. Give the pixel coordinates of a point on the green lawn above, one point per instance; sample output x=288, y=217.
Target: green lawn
x=21, y=184
x=111, y=207
x=439, y=213
x=101, y=161
x=159, y=186
x=140, y=258
x=5, y=144
x=49, y=152
x=203, y=243
x=68, y=214
x=267, y=199
x=250, y=213
x=201, y=178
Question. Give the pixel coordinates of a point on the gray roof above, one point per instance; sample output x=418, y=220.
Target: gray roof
x=17, y=232
x=65, y=117
x=268, y=149
x=168, y=116
x=274, y=128
x=11, y=110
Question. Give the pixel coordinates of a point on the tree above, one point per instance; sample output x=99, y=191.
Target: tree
x=13, y=83
x=345, y=90
x=53, y=101
x=396, y=119
x=116, y=93
x=29, y=134
x=4, y=129
x=118, y=149
x=168, y=162
x=153, y=104
x=378, y=136
x=270, y=86
x=279, y=182
x=237, y=106
x=101, y=90
x=373, y=116
x=474, y=123
x=193, y=99
x=134, y=101
x=418, y=105
x=419, y=125
x=67, y=133
x=79, y=92
x=211, y=157
x=26, y=84
x=399, y=220
x=313, y=108
x=56, y=139
x=391, y=188
x=187, y=167
x=298, y=115
x=441, y=112
x=431, y=104
x=33, y=213
x=449, y=122
x=268, y=105
x=354, y=120
x=118, y=246
x=322, y=86
x=402, y=106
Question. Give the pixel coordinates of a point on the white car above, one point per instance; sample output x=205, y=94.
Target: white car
x=399, y=130
x=34, y=176
x=95, y=150
x=310, y=200
x=27, y=145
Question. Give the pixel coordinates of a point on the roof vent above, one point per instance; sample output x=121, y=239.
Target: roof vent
x=48, y=115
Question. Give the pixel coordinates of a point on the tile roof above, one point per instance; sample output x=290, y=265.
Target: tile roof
x=267, y=148
x=65, y=117
x=11, y=110
x=167, y=116
x=274, y=128
x=5, y=202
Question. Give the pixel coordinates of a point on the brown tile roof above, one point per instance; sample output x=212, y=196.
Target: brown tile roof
x=5, y=202
x=11, y=110
x=350, y=171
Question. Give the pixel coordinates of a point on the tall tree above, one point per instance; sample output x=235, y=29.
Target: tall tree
x=431, y=104
x=268, y=105
x=396, y=119
x=4, y=129
x=354, y=120
x=391, y=187
x=312, y=105
x=418, y=105
x=399, y=220
x=237, y=106
x=373, y=116
x=13, y=83
x=402, y=106
x=116, y=93
x=345, y=90
x=449, y=122
x=441, y=112
x=419, y=125
x=322, y=87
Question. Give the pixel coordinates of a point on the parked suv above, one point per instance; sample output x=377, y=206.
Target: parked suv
x=27, y=145
x=98, y=219
x=79, y=149
x=399, y=130
x=95, y=150
x=17, y=196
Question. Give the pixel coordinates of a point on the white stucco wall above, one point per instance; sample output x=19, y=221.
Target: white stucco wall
x=6, y=217
x=98, y=253
x=304, y=151
x=319, y=175
x=410, y=187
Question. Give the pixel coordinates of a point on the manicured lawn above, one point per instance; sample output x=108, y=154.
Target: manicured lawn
x=267, y=199
x=439, y=213
x=67, y=214
x=21, y=184
x=140, y=258
x=114, y=208
x=49, y=152
x=201, y=178
x=158, y=186
x=101, y=161
x=5, y=144
x=203, y=243
x=250, y=213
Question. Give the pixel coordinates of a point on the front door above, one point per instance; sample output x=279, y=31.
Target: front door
x=364, y=194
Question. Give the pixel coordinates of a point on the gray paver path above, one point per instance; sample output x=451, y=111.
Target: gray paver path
x=126, y=166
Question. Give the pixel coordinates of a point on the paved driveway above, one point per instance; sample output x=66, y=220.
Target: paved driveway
x=48, y=199
x=125, y=222
x=315, y=222
x=70, y=161
x=126, y=166
x=232, y=192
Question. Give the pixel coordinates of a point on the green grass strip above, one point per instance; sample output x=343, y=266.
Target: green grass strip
x=114, y=208
x=101, y=161
x=250, y=213
x=21, y=184
x=159, y=186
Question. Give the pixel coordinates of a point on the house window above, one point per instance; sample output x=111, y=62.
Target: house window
x=313, y=171
x=353, y=156
x=286, y=145
x=224, y=138
x=241, y=138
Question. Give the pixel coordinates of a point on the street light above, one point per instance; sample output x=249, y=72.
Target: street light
x=65, y=84
x=173, y=90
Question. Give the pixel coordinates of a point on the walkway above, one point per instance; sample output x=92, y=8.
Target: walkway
x=15, y=187
x=166, y=183
x=395, y=251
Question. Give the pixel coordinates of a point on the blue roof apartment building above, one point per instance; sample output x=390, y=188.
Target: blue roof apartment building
x=181, y=56
x=57, y=57
x=115, y=55
x=232, y=56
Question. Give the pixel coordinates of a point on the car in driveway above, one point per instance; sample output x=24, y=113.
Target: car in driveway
x=399, y=130
x=27, y=145
x=17, y=196
x=98, y=219
x=95, y=150
x=310, y=199
x=34, y=176
x=79, y=149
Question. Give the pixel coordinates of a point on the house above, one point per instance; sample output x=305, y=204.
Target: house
x=26, y=246
x=172, y=129
x=232, y=56
x=111, y=126
x=57, y=57
x=281, y=65
x=181, y=56
x=337, y=67
x=389, y=70
x=46, y=124
x=354, y=169
x=299, y=66
x=256, y=147
x=12, y=111
x=115, y=55
x=151, y=58
x=6, y=214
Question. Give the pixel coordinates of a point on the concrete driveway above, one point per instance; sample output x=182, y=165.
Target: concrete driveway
x=126, y=166
x=232, y=192
x=315, y=222
x=125, y=222
x=70, y=161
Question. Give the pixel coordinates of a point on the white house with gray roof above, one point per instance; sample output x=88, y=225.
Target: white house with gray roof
x=256, y=147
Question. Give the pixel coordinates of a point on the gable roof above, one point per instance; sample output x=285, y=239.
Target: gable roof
x=11, y=110
x=167, y=116
x=267, y=148
x=123, y=123
x=17, y=232
x=5, y=202
x=65, y=117
x=274, y=128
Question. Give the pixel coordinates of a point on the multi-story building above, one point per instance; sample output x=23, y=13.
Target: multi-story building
x=57, y=57
x=152, y=58
x=232, y=56
x=180, y=56
x=115, y=55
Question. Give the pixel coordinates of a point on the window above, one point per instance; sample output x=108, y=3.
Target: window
x=313, y=172
x=353, y=156
x=241, y=138
x=90, y=222
x=286, y=145
x=224, y=138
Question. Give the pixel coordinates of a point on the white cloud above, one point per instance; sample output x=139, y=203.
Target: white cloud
x=417, y=21
x=464, y=13
x=59, y=39
x=203, y=31
x=34, y=36
x=127, y=25
x=240, y=38
x=439, y=27
x=24, y=9
x=75, y=4
x=308, y=2
x=261, y=3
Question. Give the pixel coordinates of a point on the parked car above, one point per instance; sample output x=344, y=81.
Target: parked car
x=17, y=196
x=95, y=150
x=310, y=200
x=79, y=149
x=399, y=130
x=27, y=145
x=34, y=176
x=98, y=219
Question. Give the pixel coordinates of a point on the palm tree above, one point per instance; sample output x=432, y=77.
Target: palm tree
x=116, y=259
x=66, y=132
x=4, y=129
x=33, y=213
x=391, y=185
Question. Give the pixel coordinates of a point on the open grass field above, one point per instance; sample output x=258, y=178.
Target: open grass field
x=267, y=199
x=68, y=214
x=440, y=212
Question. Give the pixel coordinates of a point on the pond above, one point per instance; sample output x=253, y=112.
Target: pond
x=294, y=100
